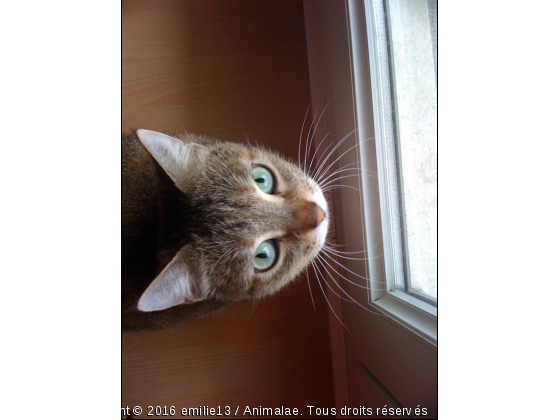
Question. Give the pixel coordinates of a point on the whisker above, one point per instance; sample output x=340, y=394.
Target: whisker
x=300, y=134
x=347, y=279
x=314, y=130
x=360, y=171
x=327, y=283
x=326, y=171
x=345, y=176
x=350, y=271
x=333, y=243
x=333, y=187
x=329, y=303
x=252, y=307
x=352, y=252
x=316, y=150
x=356, y=163
x=324, y=161
x=310, y=294
x=351, y=298
x=342, y=155
x=307, y=143
x=334, y=147
x=247, y=138
x=346, y=168
x=350, y=258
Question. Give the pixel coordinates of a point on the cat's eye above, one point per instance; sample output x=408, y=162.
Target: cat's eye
x=265, y=256
x=264, y=179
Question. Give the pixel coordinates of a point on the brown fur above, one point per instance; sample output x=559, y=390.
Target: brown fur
x=211, y=217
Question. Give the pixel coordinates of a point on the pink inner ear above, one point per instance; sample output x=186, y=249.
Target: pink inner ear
x=175, y=285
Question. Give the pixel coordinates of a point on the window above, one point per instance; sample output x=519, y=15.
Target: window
x=402, y=46
x=412, y=36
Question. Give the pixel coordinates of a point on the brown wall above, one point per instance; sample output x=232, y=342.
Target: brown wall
x=222, y=68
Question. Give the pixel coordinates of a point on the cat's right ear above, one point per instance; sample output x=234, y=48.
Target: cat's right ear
x=179, y=283
x=174, y=156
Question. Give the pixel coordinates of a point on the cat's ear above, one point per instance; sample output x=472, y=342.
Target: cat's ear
x=174, y=156
x=177, y=284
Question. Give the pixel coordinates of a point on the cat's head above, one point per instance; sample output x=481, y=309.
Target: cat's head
x=255, y=221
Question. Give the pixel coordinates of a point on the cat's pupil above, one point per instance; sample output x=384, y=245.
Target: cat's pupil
x=263, y=255
x=260, y=180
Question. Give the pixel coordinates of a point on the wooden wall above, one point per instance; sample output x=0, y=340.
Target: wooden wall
x=225, y=68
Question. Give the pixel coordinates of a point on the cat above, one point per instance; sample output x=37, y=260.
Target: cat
x=208, y=223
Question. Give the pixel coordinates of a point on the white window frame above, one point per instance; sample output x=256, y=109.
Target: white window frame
x=416, y=314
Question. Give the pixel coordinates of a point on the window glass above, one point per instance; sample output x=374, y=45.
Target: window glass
x=412, y=48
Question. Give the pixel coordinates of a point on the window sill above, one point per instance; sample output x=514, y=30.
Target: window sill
x=422, y=324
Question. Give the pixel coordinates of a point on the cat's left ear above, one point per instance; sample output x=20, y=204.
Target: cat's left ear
x=174, y=156
x=177, y=284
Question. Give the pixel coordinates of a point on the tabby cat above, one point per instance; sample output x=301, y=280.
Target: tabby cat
x=208, y=223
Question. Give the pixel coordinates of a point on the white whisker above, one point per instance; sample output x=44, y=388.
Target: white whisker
x=356, y=163
x=333, y=187
x=360, y=171
x=313, y=135
x=328, y=285
x=324, y=161
x=342, y=177
x=324, y=294
x=333, y=243
x=247, y=139
x=347, y=279
x=307, y=143
x=301, y=134
x=351, y=298
x=337, y=251
x=316, y=150
x=342, y=155
x=350, y=258
x=350, y=271
x=310, y=294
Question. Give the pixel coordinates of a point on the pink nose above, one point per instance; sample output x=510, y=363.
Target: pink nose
x=320, y=215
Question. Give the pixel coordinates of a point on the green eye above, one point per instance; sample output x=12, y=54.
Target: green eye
x=264, y=179
x=265, y=256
